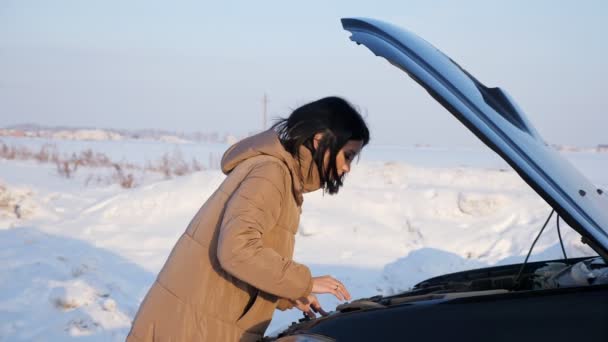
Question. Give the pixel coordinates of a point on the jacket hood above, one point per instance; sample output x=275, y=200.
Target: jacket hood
x=304, y=173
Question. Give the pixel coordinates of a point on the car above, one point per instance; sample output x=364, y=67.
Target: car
x=557, y=300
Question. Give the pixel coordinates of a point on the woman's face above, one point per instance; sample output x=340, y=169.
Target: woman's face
x=345, y=156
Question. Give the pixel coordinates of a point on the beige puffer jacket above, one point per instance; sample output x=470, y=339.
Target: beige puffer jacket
x=227, y=272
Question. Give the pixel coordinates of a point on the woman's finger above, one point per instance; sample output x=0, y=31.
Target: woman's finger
x=344, y=292
x=310, y=314
x=337, y=293
x=322, y=312
x=338, y=287
x=331, y=285
x=314, y=303
x=317, y=308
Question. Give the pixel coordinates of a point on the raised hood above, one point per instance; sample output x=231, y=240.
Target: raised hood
x=495, y=119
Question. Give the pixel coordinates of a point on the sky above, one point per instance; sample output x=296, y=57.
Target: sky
x=205, y=66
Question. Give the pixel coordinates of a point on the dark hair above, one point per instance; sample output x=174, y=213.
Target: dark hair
x=337, y=120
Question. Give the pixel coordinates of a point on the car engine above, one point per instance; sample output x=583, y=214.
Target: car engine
x=557, y=275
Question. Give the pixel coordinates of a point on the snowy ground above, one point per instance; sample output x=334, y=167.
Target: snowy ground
x=76, y=259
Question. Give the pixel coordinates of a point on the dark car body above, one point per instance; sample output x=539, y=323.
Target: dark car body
x=559, y=300
x=477, y=305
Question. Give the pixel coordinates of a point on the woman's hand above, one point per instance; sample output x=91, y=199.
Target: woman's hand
x=309, y=305
x=329, y=284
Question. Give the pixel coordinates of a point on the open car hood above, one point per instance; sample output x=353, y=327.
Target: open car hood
x=495, y=119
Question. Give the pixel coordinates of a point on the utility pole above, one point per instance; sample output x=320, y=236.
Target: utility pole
x=264, y=111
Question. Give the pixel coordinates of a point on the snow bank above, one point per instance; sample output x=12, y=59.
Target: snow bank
x=422, y=264
x=54, y=287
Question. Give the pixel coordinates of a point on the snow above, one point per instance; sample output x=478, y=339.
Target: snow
x=86, y=134
x=76, y=258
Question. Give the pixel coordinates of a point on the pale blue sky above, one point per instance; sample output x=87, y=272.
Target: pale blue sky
x=204, y=66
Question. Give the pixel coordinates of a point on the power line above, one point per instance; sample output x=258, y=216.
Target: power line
x=264, y=111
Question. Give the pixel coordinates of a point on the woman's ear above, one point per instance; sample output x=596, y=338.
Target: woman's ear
x=316, y=139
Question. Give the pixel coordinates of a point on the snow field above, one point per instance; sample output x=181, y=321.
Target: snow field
x=79, y=259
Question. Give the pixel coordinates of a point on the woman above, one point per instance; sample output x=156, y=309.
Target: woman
x=233, y=265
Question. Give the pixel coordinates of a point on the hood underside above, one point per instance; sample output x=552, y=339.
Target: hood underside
x=495, y=119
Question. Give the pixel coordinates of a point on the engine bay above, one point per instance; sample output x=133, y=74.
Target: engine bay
x=495, y=280
x=498, y=280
